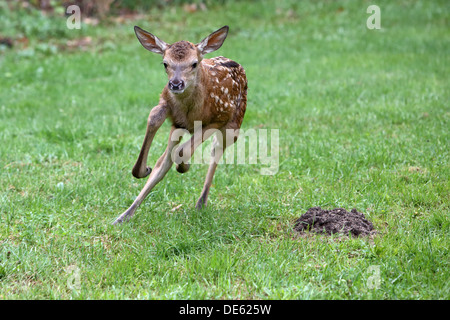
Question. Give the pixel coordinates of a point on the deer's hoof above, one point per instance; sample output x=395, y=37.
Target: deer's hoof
x=183, y=167
x=126, y=215
x=148, y=170
x=138, y=175
x=201, y=204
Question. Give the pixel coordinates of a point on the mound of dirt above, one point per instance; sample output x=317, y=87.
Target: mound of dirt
x=333, y=221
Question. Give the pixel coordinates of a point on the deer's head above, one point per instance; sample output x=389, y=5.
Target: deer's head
x=182, y=59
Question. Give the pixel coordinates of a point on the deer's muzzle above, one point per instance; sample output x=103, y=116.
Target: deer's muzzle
x=176, y=86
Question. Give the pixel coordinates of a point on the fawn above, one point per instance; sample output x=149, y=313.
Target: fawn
x=212, y=92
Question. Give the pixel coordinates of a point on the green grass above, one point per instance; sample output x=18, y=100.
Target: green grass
x=364, y=123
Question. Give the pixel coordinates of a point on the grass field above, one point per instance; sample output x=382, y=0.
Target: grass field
x=363, y=118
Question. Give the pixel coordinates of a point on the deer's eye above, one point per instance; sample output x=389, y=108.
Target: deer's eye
x=194, y=65
x=165, y=65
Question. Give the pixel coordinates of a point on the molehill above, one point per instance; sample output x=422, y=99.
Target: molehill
x=334, y=221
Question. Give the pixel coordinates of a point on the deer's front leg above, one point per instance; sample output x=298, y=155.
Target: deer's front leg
x=163, y=165
x=154, y=122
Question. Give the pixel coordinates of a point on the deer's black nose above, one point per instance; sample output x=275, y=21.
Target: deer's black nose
x=176, y=84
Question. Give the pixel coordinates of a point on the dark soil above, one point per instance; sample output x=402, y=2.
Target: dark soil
x=333, y=221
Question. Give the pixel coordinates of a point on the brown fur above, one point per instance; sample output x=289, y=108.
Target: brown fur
x=220, y=97
x=180, y=50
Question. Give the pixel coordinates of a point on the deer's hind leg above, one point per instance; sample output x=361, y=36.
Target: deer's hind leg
x=220, y=143
x=184, y=153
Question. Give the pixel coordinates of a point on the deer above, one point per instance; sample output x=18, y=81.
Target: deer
x=210, y=92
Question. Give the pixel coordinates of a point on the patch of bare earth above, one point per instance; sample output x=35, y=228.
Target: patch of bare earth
x=334, y=221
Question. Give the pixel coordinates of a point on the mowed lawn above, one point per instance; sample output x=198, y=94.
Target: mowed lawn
x=363, y=120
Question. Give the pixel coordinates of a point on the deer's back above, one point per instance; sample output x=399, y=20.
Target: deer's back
x=227, y=88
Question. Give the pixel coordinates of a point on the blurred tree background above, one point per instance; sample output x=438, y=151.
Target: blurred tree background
x=39, y=25
x=104, y=7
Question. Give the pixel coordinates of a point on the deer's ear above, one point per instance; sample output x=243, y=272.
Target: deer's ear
x=214, y=41
x=150, y=42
